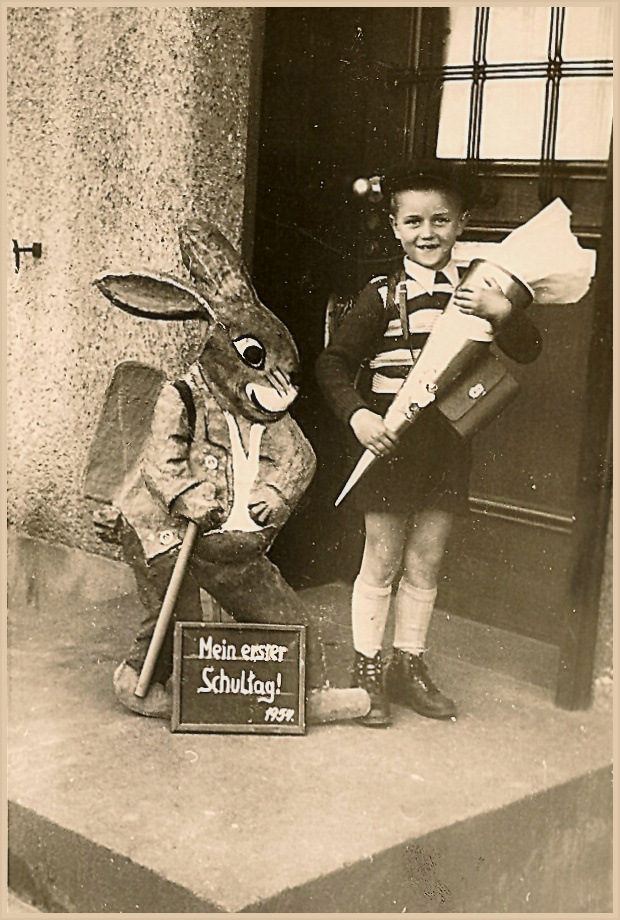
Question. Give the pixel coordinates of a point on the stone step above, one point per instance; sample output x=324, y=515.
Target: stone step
x=508, y=809
x=16, y=907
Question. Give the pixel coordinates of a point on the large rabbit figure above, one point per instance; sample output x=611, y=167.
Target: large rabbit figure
x=223, y=452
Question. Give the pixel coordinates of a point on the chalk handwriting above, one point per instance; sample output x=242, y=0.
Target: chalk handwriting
x=247, y=684
x=226, y=651
x=279, y=714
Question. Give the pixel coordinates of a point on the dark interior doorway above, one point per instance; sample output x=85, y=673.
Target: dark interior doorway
x=305, y=244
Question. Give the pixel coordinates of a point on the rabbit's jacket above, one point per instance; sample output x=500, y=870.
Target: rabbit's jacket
x=200, y=467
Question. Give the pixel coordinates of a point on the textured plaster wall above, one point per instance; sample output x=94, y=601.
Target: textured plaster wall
x=121, y=121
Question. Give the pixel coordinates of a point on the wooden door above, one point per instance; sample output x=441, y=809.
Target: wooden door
x=345, y=93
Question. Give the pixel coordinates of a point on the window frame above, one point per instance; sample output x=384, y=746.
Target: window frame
x=426, y=73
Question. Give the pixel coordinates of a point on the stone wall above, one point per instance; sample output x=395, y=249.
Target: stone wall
x=121, y=122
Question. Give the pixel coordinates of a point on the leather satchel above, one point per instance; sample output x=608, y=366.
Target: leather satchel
x=475, y=387
x=477, y=395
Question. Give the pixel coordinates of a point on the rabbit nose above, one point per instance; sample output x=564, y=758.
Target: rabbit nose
x=281, y=382
x=269, y=399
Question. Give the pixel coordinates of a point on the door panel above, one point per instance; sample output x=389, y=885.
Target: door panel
x=509, y=574
x=530, y=455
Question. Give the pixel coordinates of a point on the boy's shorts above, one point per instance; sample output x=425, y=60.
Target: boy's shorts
x=429, y=470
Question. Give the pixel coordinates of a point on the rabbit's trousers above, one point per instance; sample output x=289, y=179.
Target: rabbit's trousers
x=251, y=591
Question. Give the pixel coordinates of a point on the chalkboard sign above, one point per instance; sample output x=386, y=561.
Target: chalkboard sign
x=239, y=678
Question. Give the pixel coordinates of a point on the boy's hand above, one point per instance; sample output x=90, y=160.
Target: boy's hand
x=488, y=301
x=370, y=431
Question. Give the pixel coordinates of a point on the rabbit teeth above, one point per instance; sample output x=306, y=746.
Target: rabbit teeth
x=268, y=399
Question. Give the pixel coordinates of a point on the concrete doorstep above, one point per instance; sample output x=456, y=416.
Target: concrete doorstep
x=18, y=908
x=508, y=809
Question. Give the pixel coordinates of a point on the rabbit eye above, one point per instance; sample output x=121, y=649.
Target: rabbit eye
x=251, y=351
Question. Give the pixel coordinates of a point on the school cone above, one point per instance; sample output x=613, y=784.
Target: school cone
x=455, y=339
x=541, y=260
x=167, y=608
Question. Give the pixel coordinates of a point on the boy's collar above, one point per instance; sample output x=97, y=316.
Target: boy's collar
x=426, y=276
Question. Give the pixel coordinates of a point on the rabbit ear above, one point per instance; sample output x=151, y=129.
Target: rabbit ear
x=211, y=260
x=153, y=296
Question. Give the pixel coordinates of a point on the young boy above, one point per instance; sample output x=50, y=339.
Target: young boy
x=410, y=495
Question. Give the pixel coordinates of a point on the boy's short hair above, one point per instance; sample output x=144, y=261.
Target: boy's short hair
x=457, y=179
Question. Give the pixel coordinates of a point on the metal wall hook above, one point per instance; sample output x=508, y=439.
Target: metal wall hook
x=36, y=249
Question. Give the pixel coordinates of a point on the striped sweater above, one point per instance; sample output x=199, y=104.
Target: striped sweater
x=371, y=333
x=427, y=295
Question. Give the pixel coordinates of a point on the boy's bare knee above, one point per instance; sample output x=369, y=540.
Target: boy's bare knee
x=423, y=565
x=380, y=563
x=421, y=576
x=425, y=549
x=378, y=572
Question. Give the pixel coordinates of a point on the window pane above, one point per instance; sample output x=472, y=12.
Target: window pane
x=588, y=33
x=454, y=119
x=460, y=43
x=518, y=33
x=512, y=119
x=584, y=119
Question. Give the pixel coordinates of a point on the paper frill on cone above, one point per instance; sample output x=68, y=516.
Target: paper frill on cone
x=544, y=253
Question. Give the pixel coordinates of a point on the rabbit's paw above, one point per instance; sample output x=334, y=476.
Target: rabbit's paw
x=201, y=505
x=268, y=507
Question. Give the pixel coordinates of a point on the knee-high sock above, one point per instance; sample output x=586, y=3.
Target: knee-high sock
x=414, y=607
x=369, y=608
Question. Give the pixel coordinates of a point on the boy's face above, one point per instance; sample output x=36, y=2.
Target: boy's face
x=427, y=223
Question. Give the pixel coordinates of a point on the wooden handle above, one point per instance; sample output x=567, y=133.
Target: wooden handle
x=167, y=608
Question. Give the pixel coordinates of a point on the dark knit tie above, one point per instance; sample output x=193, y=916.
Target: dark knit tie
x=442, y=297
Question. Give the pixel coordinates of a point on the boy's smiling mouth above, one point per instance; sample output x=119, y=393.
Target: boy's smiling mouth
x=431, y=255
x=428, y=247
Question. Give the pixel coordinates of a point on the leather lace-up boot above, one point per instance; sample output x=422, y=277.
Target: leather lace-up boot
x=409, y=683
x=367, y=673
